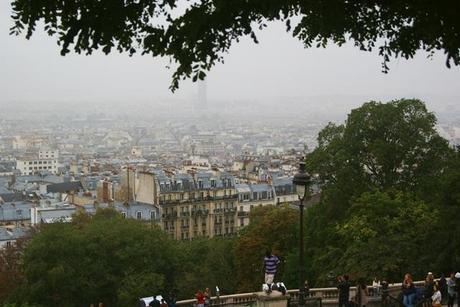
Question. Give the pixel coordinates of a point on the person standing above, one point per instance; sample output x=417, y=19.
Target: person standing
x=457, y=286
x=199, y=298
x=428, y=289
x=408, y=291
x=443, y=287
x=376, y=286
x=362, y=294
x=207, y=297
x=306, y=288
x=344, y=290
x=451, y=293
x=270, y=264
x=155, y=302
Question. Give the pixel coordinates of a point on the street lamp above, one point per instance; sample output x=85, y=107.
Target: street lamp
x=301, y=183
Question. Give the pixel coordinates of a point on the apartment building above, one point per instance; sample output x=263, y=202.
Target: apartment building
x=201, y=204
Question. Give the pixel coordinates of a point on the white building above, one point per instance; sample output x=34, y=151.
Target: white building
x=61, y=212
x=30, y=166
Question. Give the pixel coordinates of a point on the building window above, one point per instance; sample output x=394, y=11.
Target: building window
x=241, y=208
x=139, y=215
x=123, y=214
x=152, y=215
x=242, y=222
x=200, y=184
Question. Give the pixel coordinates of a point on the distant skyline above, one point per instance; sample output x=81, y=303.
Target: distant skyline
x=277, y=70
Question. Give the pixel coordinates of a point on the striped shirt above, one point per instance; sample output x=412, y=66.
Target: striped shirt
x=270, y=264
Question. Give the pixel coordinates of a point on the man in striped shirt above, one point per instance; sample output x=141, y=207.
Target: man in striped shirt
x=270, y=263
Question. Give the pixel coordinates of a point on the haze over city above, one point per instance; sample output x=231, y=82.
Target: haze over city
x=277, y=75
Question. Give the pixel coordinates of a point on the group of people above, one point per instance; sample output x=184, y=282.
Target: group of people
x=437, y=290
x=360, y=299
x=203, y=298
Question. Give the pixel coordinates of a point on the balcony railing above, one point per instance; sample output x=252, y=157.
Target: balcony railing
x=169, y=215
x=198, y=199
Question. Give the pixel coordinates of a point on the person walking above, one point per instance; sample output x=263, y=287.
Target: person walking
x=436, y=297
x=344, y=290
x=408, y=291
x=270, y=264
x=451, y=293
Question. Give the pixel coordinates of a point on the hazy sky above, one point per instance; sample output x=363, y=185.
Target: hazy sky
x=275, y=69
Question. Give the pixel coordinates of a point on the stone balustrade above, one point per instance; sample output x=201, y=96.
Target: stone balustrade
x=316, y=297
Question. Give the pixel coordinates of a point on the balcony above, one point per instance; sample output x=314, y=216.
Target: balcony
x=167, y=216
x=243, y=213
x=200, y=212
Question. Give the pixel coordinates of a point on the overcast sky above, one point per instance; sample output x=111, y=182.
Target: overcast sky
x=277, y=68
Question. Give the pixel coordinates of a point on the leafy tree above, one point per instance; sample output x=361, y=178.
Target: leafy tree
x=449, y=202
x=11, y=276
x=380, y=149
x=197, y=37
x=388, y=234
x=108, y=259
x=391, y=145
x=206, y=263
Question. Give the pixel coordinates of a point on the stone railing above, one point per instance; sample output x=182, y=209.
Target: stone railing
x=316, y=296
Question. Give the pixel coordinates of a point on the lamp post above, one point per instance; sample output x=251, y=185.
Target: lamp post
x=301, y=182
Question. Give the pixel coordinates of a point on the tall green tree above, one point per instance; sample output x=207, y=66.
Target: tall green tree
x=198, y=36
x=107, y=259
x=206, y=263
x=388, y=234
x=381, y=148
x=382, y=145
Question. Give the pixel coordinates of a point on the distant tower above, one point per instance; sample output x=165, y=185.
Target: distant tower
x=202, y=102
